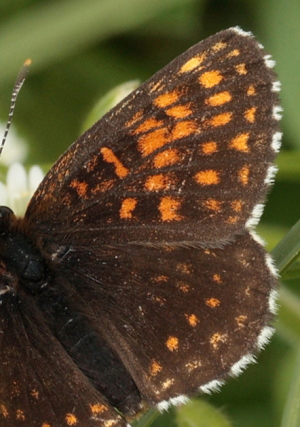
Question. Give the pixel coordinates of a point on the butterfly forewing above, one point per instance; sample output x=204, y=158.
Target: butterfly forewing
x=191, y=146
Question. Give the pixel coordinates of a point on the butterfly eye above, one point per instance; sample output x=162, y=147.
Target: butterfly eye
x=5, y=211
x=6, y=216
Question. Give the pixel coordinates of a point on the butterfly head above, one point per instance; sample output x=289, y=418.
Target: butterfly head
x=18, y=254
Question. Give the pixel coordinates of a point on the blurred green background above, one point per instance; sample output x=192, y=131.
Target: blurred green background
x=82, y=49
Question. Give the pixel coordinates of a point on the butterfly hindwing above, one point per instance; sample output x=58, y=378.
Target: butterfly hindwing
x=180, y=318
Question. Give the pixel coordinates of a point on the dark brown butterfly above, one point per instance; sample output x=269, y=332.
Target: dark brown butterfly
x=133, y=278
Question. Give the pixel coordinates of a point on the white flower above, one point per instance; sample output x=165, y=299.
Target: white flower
x=19, y=187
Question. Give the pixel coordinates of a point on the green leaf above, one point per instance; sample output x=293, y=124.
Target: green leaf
x=288, y=164
x=285, y=254
x=199, y=413
x=288, y=326
x=291, y=414
x=288, y=249
x=281, y=25
x=293, y=272
x=147, y=419
x=52, y=30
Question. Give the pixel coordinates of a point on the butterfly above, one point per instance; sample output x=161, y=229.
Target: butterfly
x=135, y=278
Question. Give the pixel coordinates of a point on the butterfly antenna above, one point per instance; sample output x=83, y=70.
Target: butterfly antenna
x=17, y=87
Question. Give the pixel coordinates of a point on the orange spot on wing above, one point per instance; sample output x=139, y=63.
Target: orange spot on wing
x=179, y=111
x=213, y=204
x=166, y=158
x=237, y=205
x=183, y=287
x=80, y=186
x=155, y=368
x=184, y=129
x=167, y=384
x=184, y=268
x=153, y=140
x=218, y=99
x=209, y=147
x=243, y=175
x=98, y=408
x=234, y=52
x=192, y=63
x=251, y=90
x=250, y=114
x=128, y=206
x=219, y=120
x=147, y=125
x=219, y=46
x=207, y=177
x=110, y=157
x=35, y=393
x=217, y=278
x=158, y=182
x=239, y=143
x=20, y=415
x=210, y=78
x=213, y=302
x=241, y=69
x=4, y=411
x=168, y=209
x=241, y=320
x=71, y=420
x=172, y=343
x=217, y=338
x=232, y=219
x=192, y=319
x=191, y=366
x=166, y=99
